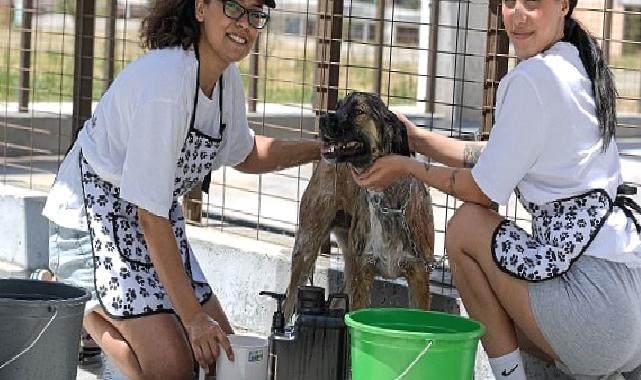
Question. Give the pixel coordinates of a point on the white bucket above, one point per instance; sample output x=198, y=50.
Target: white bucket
x=250, y=359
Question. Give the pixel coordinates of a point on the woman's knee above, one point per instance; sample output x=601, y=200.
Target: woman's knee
x=171, y=360
x=458, y=226
x=171, y=365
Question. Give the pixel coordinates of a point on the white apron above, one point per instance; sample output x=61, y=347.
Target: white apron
x=126, y=281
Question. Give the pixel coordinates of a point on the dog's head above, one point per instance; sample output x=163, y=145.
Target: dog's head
x=362, y=130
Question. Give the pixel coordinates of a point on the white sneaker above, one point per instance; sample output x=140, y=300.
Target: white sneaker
x=42, y=274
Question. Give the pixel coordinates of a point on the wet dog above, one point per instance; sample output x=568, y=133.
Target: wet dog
x=389, y=233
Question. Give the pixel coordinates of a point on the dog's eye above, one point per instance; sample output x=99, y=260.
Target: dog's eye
x=358, y=112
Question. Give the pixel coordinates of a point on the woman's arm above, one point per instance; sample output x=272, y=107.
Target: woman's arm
x=276, y=154
x=446, y=150
x=203, y=331
x=457, y=182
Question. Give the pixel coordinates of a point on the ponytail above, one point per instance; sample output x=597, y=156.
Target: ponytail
x=603, y=86
x=170, y=23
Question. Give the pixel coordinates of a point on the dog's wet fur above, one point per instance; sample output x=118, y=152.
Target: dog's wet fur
x=372, y=242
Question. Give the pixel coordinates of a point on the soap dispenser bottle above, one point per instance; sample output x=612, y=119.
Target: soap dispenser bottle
x=277, y=331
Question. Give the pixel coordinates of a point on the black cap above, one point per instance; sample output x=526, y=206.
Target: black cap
x=272, y=3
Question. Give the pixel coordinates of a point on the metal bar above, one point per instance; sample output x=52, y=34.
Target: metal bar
x=110, y=41
x=83, y=63
x=496, y=63
x=253, y=80
x=378, y=52
x=430, y=93
x=25, y=56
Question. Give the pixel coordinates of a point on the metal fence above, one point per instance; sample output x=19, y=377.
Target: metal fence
x=438, y=61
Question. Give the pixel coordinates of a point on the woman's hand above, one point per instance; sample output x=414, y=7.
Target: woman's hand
x=385, y=171
x=205, y=335
x=410, y=127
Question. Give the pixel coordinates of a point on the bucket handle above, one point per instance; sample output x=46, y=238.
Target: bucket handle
x=413, y=363
x=32, y=343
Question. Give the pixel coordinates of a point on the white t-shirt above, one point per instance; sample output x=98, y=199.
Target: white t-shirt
x=138, y=129
x=546, y=141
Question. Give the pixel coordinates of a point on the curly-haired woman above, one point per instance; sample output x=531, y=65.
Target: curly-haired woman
x=169, y=119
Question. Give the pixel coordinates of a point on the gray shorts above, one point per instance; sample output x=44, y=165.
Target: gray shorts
x=591, y=317
x=71, y=260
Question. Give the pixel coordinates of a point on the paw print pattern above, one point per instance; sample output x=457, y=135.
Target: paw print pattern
x=195, y=161
x=126, y=281
x=561, y=232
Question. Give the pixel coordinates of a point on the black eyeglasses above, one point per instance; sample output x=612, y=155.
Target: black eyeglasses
x=233, y=10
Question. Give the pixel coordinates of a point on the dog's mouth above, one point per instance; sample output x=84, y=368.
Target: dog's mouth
x=342, y=151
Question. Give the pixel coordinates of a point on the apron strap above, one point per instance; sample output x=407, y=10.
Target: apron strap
x=628, y=205
x=193, y=112
x=220, y=109
x=207, y=180
x=220, y=100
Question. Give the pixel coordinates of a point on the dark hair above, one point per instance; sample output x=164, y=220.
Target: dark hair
x=170, y=23
x=603, y=86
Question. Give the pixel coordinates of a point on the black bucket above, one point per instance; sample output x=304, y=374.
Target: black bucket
x=40, y=324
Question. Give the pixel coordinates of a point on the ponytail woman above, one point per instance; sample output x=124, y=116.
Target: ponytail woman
x=569, y=290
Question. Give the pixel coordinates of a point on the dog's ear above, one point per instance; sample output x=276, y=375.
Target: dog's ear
x=376, y=106
x=400, y=143
x=393, y=129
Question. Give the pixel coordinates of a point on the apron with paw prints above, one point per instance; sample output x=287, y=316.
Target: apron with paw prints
x=562, y=230
x=126, y=281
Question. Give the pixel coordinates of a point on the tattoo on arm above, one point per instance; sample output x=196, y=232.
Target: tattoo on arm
x=450, y=187
x=427, y=167
x=471, y=153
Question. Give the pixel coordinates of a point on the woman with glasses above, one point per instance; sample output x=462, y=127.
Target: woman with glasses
x=169, y=119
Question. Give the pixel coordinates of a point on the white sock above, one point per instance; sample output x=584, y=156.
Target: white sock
x=508, y=366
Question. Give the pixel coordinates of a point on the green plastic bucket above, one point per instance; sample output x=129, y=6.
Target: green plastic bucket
x=407, y=344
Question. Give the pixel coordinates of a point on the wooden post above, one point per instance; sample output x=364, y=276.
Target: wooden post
x=110, y=41
x=193, y=204
x=328, y=55
x=432, y=56
x=607, y=28
x=25, y=56
x=496, y=63
x=83, y=63
x=378, y=53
